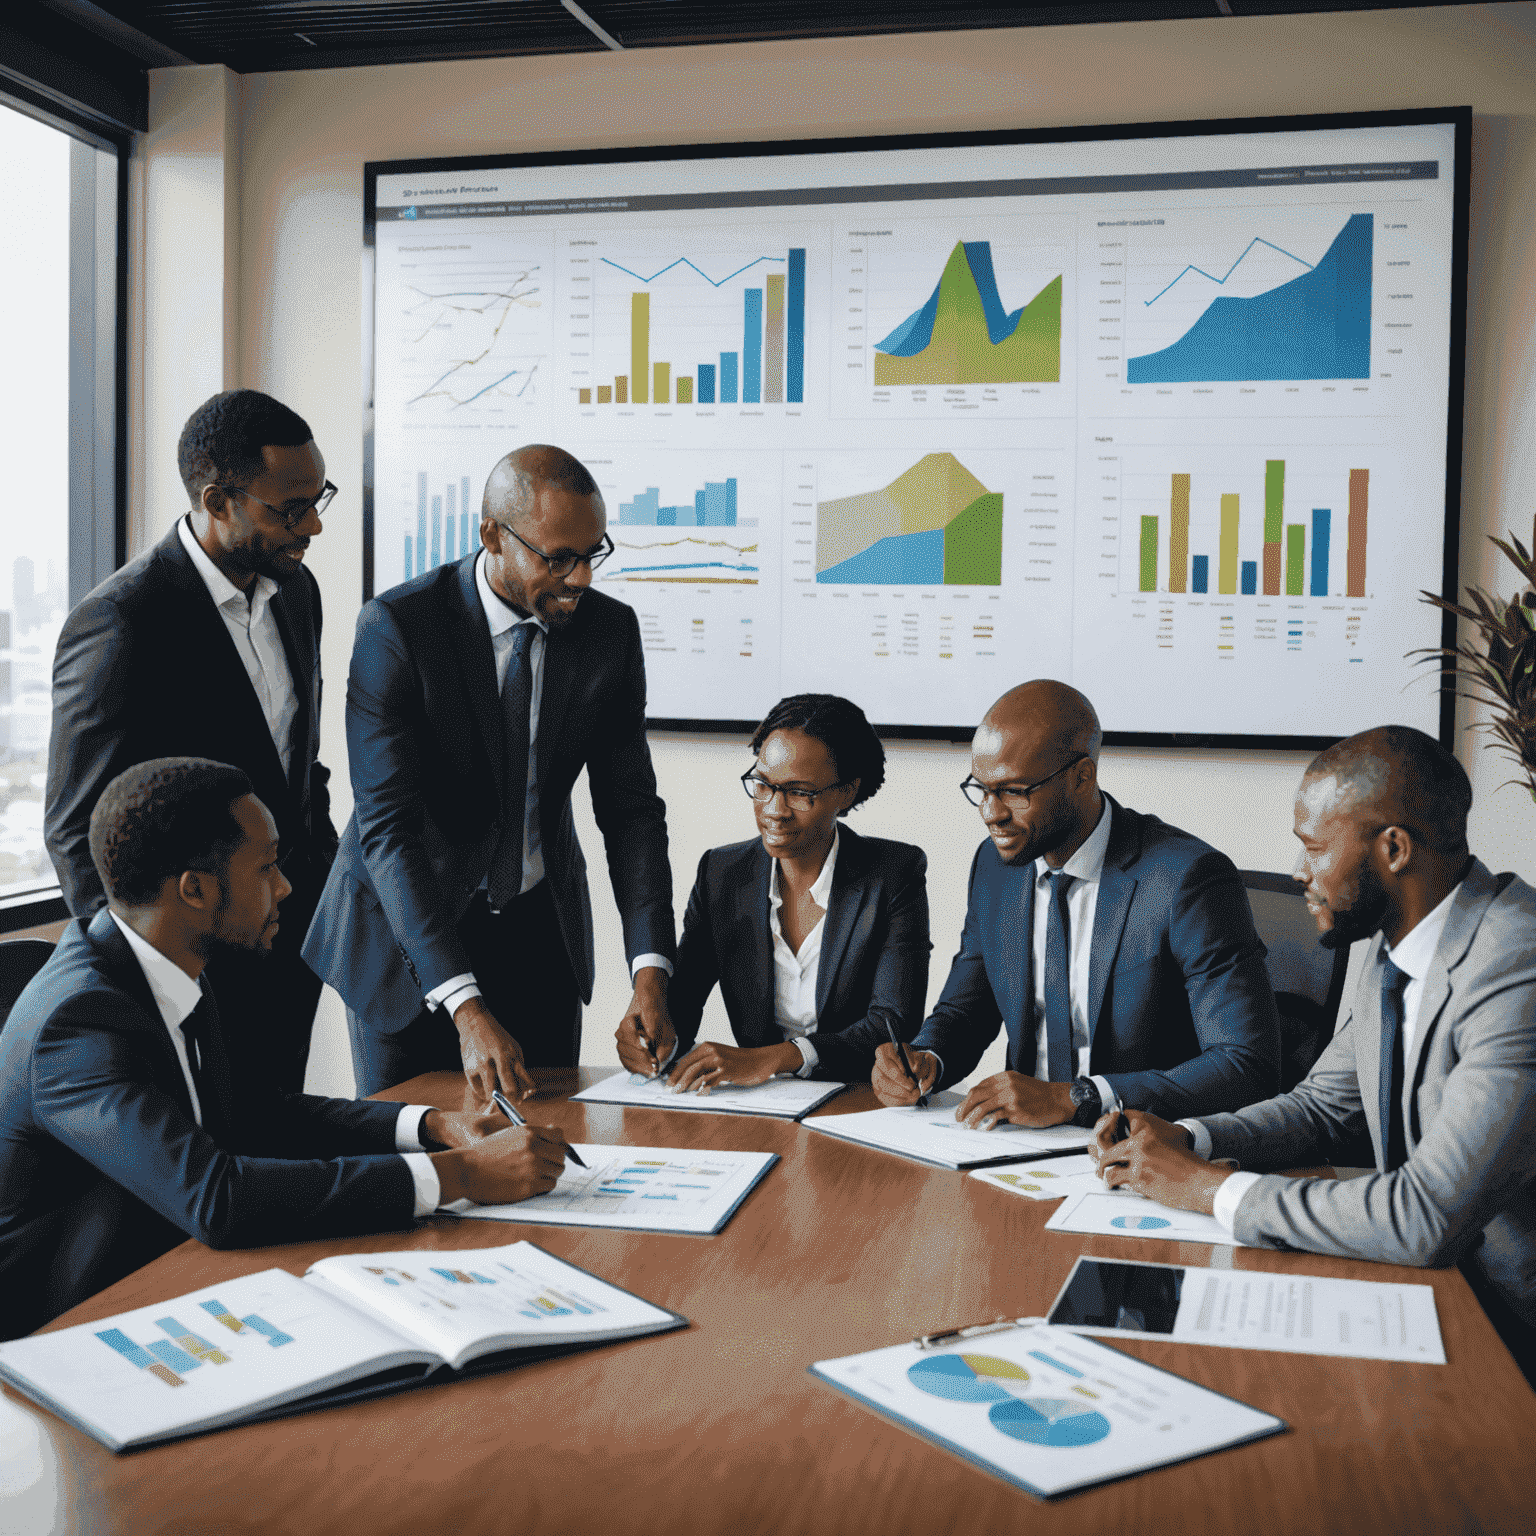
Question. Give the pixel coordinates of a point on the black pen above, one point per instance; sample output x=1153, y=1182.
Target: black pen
x=1122, y=1127
x=504, y=1104
x=906, y=1066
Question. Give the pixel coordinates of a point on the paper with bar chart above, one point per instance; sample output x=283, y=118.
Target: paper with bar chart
x=1167, y=415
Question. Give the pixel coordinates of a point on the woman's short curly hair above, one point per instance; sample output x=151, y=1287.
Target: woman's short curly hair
x=839, y=725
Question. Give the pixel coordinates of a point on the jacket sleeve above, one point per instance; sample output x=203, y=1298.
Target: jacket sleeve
x=630, y=814
x=698, y=964
x=88, y=741
x=900, y=988
x=93, y=1091
x=966, y=1017
x=1217, y=951
x=322, y=830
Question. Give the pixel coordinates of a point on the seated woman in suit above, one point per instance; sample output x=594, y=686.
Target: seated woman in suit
x=814, y=934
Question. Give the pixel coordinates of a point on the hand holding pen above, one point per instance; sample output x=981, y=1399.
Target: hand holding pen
x=504, y=1104
x=889, y=1088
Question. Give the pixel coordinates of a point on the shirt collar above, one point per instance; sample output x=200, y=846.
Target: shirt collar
x=220, y=588
x=1088, y=862
x=1415, y=951
x=821, y=887
x=499, y=614
x=175, y=993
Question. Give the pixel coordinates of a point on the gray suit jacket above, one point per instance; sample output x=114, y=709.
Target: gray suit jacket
x=1468, y=1189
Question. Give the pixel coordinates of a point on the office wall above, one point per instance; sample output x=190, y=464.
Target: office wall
x=304, y=137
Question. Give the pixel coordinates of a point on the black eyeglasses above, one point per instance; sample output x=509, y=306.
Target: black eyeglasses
x=289, y=516
x=1015, y=796
x=762, y=792
x=563, y=565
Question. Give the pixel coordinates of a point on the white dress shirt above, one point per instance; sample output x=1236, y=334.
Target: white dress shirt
x=176, y=995
x=1415, y=954
x=253, y=628
x=795, y=971
x=502, y=620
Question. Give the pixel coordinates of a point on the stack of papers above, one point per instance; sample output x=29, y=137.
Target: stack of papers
x=785, y=1098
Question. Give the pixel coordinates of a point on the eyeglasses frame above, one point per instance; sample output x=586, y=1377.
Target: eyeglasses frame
x=1021, y=794
x=289, y=520
x=594, y=557
x=749, y=778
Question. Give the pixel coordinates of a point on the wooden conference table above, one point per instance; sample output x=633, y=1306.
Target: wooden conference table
x=718, y=1428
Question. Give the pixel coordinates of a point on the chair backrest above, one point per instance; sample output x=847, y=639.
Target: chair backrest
x=20, y=961
x=1308, y=979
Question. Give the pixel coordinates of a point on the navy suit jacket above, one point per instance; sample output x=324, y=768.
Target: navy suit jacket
x=426, y=744
x=874, y=951
x=102, y=1166
x=1181, y=1015
x=145, y=668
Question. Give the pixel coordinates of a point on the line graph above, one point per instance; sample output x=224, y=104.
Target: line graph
x=684, y=261
x=476, y=320
x=1222, y=280
x=688, y=559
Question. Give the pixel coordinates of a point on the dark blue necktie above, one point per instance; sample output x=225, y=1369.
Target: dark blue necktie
x=506, y=876
x=1393, y=1140
x=196, y=1029
x=1058, y=995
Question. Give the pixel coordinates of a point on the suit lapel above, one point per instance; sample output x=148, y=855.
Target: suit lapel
x=1117, y=887
x=479, y=665
x=301, y=677
x=1368, y=1048
x=850, y=891
x=750, y=899
x=561, y=684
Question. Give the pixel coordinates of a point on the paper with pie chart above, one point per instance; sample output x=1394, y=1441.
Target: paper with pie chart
x=1047, y=1410
x=1107, y=1214
x=1054, y=1179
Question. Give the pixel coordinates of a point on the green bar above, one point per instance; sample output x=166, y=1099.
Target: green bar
x=1274, y=499
x=1226, y=570
x=1295, y=557
x=639, y=343
x=685, y=391
x=1149, y=554
x=661, y=393
x=973, y=544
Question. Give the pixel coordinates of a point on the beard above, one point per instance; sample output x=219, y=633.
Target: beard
x=1048, y=835
x=1362, y=917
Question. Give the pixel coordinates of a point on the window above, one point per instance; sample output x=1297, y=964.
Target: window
x=60, y=531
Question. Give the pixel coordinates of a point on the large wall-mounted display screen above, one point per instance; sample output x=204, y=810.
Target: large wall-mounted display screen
x=1171, y=413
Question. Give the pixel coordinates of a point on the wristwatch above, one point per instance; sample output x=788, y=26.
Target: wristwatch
x=1086, y=1103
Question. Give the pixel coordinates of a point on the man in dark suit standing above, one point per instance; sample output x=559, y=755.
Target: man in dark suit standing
x=127, y=1124
x=208, y=646
x=1118, y=952
x=456, y=923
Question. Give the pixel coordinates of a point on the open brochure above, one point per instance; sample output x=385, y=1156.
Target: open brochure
x=934, y=1136
x=356, y=1326
x=1046, y=1411
x=785, y=1098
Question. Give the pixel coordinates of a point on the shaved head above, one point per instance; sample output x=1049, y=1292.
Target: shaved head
x=1051, y=715
x=513, y=486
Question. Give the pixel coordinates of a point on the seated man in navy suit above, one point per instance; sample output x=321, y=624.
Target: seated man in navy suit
x=1118, y=952
x=128, y=1121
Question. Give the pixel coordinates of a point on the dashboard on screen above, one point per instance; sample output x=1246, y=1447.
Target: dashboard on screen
x=1169, y=412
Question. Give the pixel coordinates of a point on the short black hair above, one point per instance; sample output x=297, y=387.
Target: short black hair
x=222, y=441
x=1409, y=774
x=839, y=725
x=162, y=817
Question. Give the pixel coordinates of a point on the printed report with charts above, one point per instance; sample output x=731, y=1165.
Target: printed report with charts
x=356, y=1326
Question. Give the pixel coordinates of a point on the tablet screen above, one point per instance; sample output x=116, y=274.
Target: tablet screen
x=1134, y=1298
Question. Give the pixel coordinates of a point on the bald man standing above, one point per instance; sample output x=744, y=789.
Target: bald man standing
x=456, y=924
x=1118, y=952
x=1432, y=1074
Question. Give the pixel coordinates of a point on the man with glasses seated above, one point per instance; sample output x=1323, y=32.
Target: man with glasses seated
x=1118, y=952
x=456, y=924
x=208, y=645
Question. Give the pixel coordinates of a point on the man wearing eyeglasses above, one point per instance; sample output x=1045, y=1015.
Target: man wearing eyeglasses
x=457, y=925
x=1118, y=952
x=208, y=645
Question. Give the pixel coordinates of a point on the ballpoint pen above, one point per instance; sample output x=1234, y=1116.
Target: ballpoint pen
x=1122, y=1127
x=906, y=1066
x=504, y=1104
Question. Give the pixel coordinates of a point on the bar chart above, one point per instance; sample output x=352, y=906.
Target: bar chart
x=447, y=524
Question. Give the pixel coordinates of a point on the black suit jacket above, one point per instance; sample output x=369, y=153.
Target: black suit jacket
x=874, y=951
x=425, y=742
x=146, y=668
x=102, y=1166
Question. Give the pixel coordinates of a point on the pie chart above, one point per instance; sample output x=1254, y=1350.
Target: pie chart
x=1139, y=1223
x=968, y=1378
x=1018, y=1183
x=1053, y=1421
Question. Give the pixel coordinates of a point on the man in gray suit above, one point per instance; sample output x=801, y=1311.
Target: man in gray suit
x=1431, y=1076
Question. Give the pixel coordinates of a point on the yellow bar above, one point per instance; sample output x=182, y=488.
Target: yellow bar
x=685, y=391
x=605, y=394
x=1226, y=577
x=585, y=395
x=640, y=343
x=1178, y=535
x=661, y=394
x=621, y=389
x=773, y=341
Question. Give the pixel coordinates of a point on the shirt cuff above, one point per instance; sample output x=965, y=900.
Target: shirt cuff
x=1109, y=1100
x=938, y=1077
x=1199, y=1138
x=424, y=1176
x=408, y=1127
x=640, y=962
x=1229, y=1197
x=808, y=1054
x=447, y=996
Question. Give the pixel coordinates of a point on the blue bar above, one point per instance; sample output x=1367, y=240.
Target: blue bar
x=407, y=566
x=1321, y=518
x=115, y=1338
x=168, y=1354
x=700, y=516
x=450, y=522
x=705, y=394
x=728, y=378
x=475, y=526
x=752, y=347
x=437, y=531
x=794, y=389
x=421, y=523
x=641, y=512
x=275, y=1336
x=1200, y=575
x=713, y=513
x=464, y=532
x=730, y=502
x=1250, y=577
x=666, y=517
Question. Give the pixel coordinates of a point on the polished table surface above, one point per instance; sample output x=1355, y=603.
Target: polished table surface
x=718, y=1428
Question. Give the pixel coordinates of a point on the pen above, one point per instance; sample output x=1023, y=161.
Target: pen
x=1122, y=1127
x=504, y=1104
x=906, y=1066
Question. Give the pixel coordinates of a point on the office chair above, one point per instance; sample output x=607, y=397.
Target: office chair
x=20, y=961
x=1308, y=979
